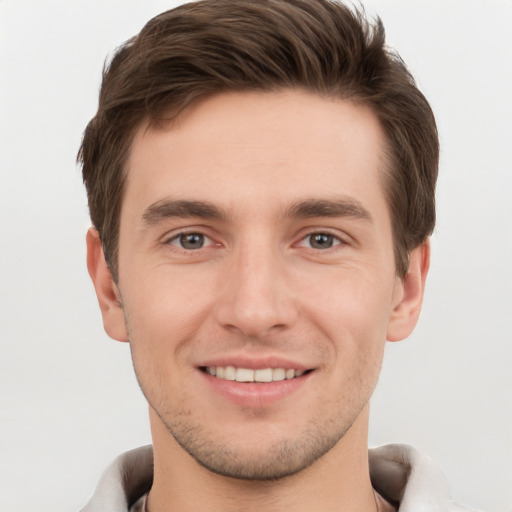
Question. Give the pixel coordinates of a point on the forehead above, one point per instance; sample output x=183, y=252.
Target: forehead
x=272, y=147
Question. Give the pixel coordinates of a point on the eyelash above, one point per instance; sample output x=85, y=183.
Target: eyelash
x=179, y=238
x=336, y=240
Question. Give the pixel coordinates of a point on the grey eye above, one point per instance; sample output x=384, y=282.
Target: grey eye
x=321, y=240
x=190, y=241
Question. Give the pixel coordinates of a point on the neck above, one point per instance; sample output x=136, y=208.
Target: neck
x=339, y=480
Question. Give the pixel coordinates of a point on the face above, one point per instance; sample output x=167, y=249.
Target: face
x=257, y=277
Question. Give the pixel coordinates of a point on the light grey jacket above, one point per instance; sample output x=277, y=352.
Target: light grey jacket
x=398, y=472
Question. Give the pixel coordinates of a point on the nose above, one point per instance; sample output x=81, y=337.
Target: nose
x=256, y=295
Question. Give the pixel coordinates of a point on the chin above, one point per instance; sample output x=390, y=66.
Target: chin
x=257, y=457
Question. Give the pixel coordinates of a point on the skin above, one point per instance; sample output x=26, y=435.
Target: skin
x=257, y=287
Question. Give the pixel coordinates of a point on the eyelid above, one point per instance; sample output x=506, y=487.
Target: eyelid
x=303, y=242
x=183, y=229
x=207, y=240
x=341, y=238
x=169, y=237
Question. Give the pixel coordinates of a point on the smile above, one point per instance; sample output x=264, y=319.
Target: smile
x=250, y=375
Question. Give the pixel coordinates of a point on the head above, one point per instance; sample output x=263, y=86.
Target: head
x=208, y=47
x=261, y=179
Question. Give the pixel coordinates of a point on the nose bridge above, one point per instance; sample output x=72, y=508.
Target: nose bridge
x=256, y=296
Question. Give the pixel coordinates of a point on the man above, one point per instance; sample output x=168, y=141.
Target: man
x=261, y=184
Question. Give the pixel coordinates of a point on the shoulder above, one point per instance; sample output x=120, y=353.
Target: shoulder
x=406, y=476
x=124, y=481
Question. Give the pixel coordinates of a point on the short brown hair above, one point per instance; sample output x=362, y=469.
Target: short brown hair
x=212, y=46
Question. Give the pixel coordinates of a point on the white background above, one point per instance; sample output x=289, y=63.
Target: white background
x=69, y=401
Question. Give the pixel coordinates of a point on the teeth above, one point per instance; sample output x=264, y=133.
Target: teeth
x=230, y=373
x=278, y=374
x=248, y=375
x=244, y=375
x=264, y=375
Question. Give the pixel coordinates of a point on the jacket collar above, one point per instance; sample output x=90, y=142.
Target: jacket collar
x=398, y=472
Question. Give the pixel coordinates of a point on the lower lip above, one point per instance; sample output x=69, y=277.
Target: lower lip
x=252, y=394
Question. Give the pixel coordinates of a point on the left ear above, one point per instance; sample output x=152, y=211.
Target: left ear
x=408, y=294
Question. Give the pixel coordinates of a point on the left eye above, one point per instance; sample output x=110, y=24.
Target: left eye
x=190, y=241
x=320, y=241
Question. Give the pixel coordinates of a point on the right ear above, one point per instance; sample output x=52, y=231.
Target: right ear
x=107, y=292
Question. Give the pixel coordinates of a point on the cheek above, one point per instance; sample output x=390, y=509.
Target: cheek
x=354, y=304
x=158, y=321
x=167, y=300
x=353, y=314
x=167, y=312
x=156, y=340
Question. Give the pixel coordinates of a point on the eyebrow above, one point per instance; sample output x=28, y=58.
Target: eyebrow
x=309, y=208
x=167, y=208
x=343, y=207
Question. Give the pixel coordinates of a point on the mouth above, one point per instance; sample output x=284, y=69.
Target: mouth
x=260, y=375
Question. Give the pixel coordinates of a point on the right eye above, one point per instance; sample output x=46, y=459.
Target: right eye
x=190, y=241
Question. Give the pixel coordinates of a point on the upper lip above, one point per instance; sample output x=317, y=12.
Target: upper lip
x=255, y=363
